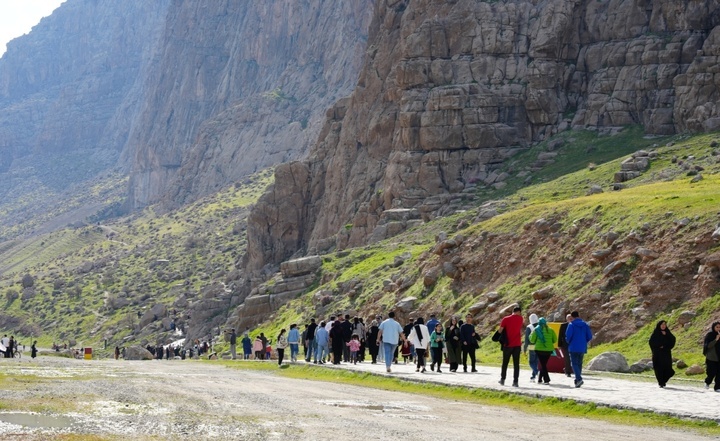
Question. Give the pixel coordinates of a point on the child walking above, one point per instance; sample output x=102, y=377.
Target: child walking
x=437, y=343
x=354, y=345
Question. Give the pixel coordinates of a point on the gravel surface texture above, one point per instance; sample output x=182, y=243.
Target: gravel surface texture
x=187, y=400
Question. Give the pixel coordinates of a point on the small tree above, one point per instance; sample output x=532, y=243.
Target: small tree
x=28, y=281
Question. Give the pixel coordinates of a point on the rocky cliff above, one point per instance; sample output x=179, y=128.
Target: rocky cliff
x=66, y=90
x=451, y=89
x=240, y=86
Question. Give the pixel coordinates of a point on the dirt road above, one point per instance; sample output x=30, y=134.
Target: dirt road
x=185, y=400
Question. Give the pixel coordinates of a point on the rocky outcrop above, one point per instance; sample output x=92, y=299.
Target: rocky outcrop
x=450, y=90
x=240, y=86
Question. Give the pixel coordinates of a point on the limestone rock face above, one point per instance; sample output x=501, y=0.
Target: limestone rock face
x=451, y=89
x=240, y=86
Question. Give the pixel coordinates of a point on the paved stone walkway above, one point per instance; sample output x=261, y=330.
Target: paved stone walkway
x=682, y=398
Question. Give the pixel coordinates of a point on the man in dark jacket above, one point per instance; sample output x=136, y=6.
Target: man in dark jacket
x=562, y=343
x=310, y=339
x=578, y=335
x=233, y=343
x=347, y=329
x=468, y=339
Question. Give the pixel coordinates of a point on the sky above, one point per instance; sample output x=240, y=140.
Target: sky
x=17, y=17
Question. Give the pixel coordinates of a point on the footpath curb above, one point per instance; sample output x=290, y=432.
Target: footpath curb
x=676, y=399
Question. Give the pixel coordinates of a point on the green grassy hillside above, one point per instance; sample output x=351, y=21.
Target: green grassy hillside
x=99, y=282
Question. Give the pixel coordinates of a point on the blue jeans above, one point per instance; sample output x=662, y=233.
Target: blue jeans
x=321, y=352
x=576, y=359
x=310, y=350
x=294, y=350
x=389, y=353
x=532, y=356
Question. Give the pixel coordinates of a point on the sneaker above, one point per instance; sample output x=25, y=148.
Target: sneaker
x=568, y=375
x=707, y=386
x=423, y=370
x=579, y=383
x=515, y=384
x=389, y=370
x=502, y=382
x=547, y=383
x=439, y=371
x=432, y=367
x=474, y=370
x=532, y=379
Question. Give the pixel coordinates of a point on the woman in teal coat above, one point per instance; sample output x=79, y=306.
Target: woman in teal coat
x=544, y=339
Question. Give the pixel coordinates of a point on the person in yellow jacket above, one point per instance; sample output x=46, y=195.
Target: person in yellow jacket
x=544, y=339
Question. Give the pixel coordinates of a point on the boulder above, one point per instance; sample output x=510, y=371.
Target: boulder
x=543, y=293
x=695, y=369
x=641, y=366
x=609, y=362
x=477, y=307
x=137, y=353
x=299, y=267
x=686, y=317
x=406, y=305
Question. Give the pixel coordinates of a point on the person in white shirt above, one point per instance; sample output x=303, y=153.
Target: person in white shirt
x=420, y=338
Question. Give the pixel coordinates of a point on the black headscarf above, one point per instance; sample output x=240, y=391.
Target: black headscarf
x=710, y=336
x=660, y=341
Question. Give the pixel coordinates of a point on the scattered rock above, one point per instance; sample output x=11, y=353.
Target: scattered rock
x=613, y=267
x=137, y=353
x=686, y=317
x=543, y=293
x=681, y=364
x=594, y=189
x=477, y=307
x=406, y=305
x=609, y=362
x=641, y=366
x=492, y=296
x=647, y=253
x=696, y=178
x=695, y=369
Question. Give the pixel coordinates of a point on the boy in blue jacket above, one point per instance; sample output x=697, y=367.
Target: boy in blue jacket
x=578, y=335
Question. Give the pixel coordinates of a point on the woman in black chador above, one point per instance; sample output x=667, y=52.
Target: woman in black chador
x=711, y=350
x=661, y=342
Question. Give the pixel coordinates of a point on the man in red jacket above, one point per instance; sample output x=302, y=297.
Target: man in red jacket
x=512, y=325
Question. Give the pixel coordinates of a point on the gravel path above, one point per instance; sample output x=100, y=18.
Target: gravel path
x=186, y=400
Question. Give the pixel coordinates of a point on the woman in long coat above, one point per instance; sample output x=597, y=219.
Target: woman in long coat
x=454, y=343
x=372, y=341
x=661, y=343
x=337, y=341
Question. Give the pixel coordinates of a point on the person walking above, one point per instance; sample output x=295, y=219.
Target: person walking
x=454, y=346
x=420, y=338
x=337, y=341
x=437, y=343
x=293, y=339
x=33, y=350
x=310, y=339
x=662, y=341
x=711, y=350
x=529, y=348
x=563, y=345
x=544, y=339
x=372, y=341
x=390, y=333
x=233, y=344
x=578, y=335
x=322, y=338
x=469, y=340
x=247, y=347
x=431, y=323
x=512, y=325
x=280, y=345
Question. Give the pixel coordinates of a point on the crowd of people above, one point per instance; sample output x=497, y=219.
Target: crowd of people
x=341, y=339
